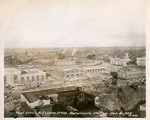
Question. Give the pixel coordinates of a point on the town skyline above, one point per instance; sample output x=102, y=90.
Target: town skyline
x=74, y=47
x=75, y=80
x=74, y=58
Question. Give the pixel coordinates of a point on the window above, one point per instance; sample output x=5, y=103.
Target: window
x=42, y=77
x=27, y=78
x=81, y=75
x=32, y=78
x=37, y=77
x=22, y=79
x=15, y=78
x=72, y=75
x=77, y=75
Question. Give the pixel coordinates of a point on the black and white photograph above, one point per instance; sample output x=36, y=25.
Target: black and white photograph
x=74, y=58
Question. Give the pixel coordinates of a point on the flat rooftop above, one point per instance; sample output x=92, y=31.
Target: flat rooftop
x=67, y=68
x=30, y=71
x=10, y=70
x=95, y=67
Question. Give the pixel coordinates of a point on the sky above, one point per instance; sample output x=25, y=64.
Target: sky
x=73, y=23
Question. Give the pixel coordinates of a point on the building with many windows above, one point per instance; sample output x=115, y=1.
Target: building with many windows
x=73, y=73
x=13, y=76
x=77, y=73
x=119, y=61
x=96, y=69
x=32, y=76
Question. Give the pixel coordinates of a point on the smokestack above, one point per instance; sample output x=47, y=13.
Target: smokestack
x=64, y=50
x=74, y=50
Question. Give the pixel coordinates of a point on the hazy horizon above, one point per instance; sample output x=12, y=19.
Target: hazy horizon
x=73, y=47
x=72, y=23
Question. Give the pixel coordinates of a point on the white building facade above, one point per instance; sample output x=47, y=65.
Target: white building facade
x=13, y=76
x=119, y=61
x=33, y=76
x=69, y=74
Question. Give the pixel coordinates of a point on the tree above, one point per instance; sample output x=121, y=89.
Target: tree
x=92, y=57
x=61, y=56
